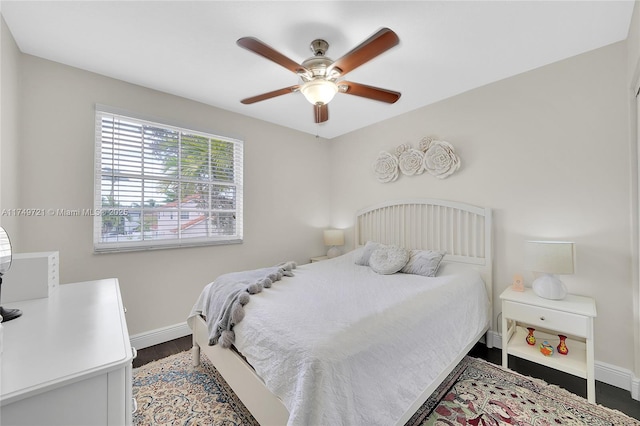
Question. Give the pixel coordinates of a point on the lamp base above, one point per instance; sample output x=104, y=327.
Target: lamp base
x=9, y=314
x=333, y=252
x=549, y=286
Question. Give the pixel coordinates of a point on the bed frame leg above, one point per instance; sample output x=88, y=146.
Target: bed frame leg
x=195, y=355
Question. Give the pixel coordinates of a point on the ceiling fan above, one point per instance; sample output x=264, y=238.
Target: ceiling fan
x=321, y=77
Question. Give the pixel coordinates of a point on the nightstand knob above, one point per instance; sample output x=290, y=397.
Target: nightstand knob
x=541, y=318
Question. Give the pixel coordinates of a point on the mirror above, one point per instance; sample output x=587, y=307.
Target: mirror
x=5, y=264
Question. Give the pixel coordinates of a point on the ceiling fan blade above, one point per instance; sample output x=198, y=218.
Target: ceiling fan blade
x=270, y=95
x=258, y=47
x=321, y=113
x=378, y=43
x=370, y=92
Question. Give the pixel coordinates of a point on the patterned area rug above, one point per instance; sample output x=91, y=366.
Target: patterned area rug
x=172, y=392
x=480, y=393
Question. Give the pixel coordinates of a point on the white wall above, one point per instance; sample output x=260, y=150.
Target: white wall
x=9, y=136
x=285, y=190
x=633, y=75
x=548, y=151
x=633, y=43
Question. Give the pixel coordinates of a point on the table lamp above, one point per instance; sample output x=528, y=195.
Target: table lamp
x=549, y=258
x=333, y=238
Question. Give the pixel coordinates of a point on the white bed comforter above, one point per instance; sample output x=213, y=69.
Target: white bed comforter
x=342, y=345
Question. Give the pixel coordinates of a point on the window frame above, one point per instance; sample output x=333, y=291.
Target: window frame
x=100, y=246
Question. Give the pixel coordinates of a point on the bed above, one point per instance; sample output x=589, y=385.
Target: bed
x=338, y=343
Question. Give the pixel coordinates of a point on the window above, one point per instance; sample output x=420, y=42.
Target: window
x=160, y=186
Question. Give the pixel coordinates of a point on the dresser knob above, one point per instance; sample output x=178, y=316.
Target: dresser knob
x=541, y=318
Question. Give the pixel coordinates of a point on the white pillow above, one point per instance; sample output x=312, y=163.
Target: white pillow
x=388, y=260
x=369, y=248
x=423, y=262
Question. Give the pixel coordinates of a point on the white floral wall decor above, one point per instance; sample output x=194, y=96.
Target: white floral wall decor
x=436, y=157
x=386, y=167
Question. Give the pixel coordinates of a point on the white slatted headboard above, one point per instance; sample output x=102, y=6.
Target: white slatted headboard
x=462, y=230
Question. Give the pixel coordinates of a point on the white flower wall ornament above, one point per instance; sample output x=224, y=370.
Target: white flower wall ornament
x=440, y=159
x=386, y=167
x=402, y=148
x=437, y=157
x=411, y=162
x=424, y=144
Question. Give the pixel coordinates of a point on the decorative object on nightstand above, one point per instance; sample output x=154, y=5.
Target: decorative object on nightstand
x=546, y=349
x=518, y=283
x=333, y=238
x=5, y=264
x=531, y=339
x=549, y=258
x=562, y=346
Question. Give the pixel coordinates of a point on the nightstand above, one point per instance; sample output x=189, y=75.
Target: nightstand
x=318, y=258
x=572, y=316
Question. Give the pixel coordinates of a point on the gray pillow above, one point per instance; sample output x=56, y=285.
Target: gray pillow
x=388, y=260
x=423, y=262
x=369, y=248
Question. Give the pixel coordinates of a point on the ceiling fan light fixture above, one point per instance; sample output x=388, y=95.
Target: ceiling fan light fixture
x=319, y=91
x=318, y=75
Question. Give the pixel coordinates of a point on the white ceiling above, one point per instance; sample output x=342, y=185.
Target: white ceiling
x=187, y=48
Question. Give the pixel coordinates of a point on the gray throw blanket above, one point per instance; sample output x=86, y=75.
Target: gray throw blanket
x=222, y=301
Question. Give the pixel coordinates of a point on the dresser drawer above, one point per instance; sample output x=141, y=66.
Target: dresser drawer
x=577, y=325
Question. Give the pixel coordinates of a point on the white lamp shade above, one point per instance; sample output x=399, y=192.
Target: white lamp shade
x=334, y=237
x=319, y=91
x=551, y=257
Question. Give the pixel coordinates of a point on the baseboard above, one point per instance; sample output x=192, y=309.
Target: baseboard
x=614, y=376
x=605, y=373
x=159, y=335
x=496, y=338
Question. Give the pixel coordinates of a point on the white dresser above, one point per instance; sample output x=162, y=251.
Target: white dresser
x=67, y=360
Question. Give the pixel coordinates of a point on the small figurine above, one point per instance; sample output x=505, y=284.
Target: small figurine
x=562, y=346
x=546, y=349
x=518, y=283
x=531, y=339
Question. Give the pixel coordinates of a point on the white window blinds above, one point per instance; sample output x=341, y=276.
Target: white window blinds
x=160, y=186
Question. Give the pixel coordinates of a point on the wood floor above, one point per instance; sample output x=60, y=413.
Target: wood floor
x=607, y=395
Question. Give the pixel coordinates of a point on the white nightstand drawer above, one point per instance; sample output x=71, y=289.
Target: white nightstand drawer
x=566, y=322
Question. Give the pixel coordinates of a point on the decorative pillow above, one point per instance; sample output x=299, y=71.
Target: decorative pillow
x=388, y=260
x=423, y=262
x=369, y=248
